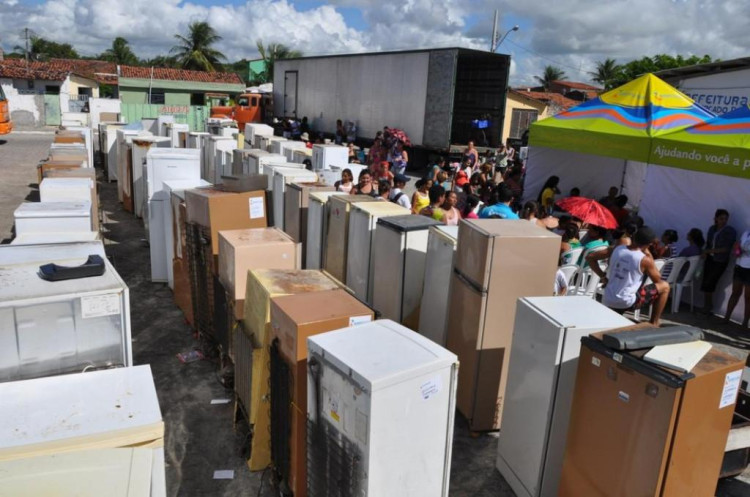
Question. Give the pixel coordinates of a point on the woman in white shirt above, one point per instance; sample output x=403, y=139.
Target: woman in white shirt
x=741, y=281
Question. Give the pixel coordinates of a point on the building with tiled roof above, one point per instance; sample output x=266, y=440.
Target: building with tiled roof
x=524, y=106
x=574, y=90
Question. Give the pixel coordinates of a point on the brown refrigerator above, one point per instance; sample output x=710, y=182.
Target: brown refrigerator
x=639, y=430
x=296, y=200
x=294, y=318
x=497, y=262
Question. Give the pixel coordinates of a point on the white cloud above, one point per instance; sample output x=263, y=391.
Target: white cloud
x=572, y=34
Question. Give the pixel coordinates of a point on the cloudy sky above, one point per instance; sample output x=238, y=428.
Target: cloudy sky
x=572, y=34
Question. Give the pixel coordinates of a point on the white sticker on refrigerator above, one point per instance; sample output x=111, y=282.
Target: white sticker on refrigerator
x=357, y=320
x=731, y=385
x=431, y=388
x=100, y=305
x=257, y=207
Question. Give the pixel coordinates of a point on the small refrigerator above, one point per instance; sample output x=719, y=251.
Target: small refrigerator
x=281, y=178
x=108, y=147
x=398, y=267
x=380, y=408
x=326, y=155
x=275, y=143
x=195, y=139
x=132, y=181
x=438, y=268
x=262, y=163
x=337, y=236
x=94, y=433
x=224, y=159
x=294, y=318
x=363, y=244
x=296, y=205
x=175, y=131
x=288, y=148
x=124, y=138
x=210, y=172
x=541, y=377
x=53, y=217
x=317, y=228
x=497, y=262
x=640, y=429
x=253, y=130
x=71, y=190
x=163, y=122
x=50, y=328
x=162, y=201
x=300, y=155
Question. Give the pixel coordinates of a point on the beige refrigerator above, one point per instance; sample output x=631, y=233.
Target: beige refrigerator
x=335, y=250
x=497, y=262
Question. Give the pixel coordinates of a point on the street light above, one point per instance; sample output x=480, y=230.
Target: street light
x=514, y=28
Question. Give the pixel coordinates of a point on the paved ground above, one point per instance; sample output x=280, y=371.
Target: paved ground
x=200, y=437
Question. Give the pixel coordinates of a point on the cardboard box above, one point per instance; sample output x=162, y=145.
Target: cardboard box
x=219, y=210
x=261, y=248
x=294, y=318
x=47, y=166
x=182, y=295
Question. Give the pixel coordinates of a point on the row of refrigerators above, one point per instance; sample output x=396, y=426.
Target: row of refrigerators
x=78, y=417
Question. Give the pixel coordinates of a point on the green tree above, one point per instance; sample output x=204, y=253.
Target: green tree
x=607, y=72
x=195, y=50
x=551, y=73
x=270, y=54
x=120, y=53
x=659, y=62
x=160, y=61
x=41, y=49
x=240, y=68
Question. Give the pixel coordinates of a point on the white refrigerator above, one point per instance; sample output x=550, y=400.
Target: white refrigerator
x=541, y=377
x=317, y=228
x=124, y=137
x=398, y=267
x=275, y=144
x=49, y=328
x=95, y=433
x=380, y=406
x=134, y=188
x=253, y=130
x=162, y=165
x=53, y=217
x=326, y=155
x=210, y=171
x=441, y=248
x=108, y=147
x=223, y=160
x=363, y=243
x=281, y=177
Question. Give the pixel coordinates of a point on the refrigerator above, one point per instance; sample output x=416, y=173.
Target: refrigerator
x=50, y=328
x=287, y=148
x=53, y=217
x=98, y=433
x=88, y=138
x=133, y=183
x=163, y=122
x=108, y=147
x=215, y=143
x=326, y=155
x=363, y=244
x=639, y=429
x=71, y=189
x=175, y=131
x=438, y=268
x=125, y=136
x=275, y=144
x=224, y=159
x=398, y=265
x=497, y=262
x=281, y=178
x=380, y=404
x=46, y=238
x=195, y=139
x=296, y=205
x=257, y=160
x=174, y=223
x=253, y=130
x=317, y=228
x=270, y=170
x=294, y=318
x=300, y=155
x=546, y=342
x=252, y=361
x=337, y=236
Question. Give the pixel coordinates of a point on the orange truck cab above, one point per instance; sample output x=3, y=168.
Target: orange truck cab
x=247, y=109
x=6, y=126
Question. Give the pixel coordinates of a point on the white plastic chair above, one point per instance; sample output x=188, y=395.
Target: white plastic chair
x=570, y=271
x=675, y=266
x=571, y=256
x=588, y=283
x=687, y=282
x=582, y=261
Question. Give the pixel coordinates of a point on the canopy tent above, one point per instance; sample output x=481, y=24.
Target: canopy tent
x=684, y=162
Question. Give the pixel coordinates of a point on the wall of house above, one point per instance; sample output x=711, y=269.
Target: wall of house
x=76, y=82
x=26, y=104
x=512, y=102
x=140, y=96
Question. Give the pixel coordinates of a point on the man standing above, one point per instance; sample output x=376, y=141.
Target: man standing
x=630, y=266
x=397, y=194
x=500, y=209
x=719, y=241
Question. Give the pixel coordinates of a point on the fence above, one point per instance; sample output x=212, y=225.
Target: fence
x=192, y=115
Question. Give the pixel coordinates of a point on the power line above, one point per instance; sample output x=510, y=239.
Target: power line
x=577, y=69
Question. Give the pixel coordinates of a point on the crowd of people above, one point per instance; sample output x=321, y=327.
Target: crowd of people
x=490, y=185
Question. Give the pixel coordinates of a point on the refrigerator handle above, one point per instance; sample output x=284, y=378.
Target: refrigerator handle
x=468, y=282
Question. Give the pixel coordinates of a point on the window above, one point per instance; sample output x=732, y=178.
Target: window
x=197, y=99
x=30, y=84
x=52, y=90
x=521, y=120
x=157, y=97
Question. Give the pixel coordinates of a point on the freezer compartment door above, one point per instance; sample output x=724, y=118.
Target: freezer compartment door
x=474, y=255
x=621, y=427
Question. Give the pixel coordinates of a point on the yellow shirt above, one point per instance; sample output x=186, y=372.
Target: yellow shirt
x=548, y=198
x=423, y=200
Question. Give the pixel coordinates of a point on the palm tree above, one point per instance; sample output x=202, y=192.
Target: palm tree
x=270, y=54
x=120, y=53
x=551, y=73
x=607, y=73
x=194, y=51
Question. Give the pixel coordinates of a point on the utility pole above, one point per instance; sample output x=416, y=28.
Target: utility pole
x=26, y=36
x=493, y=42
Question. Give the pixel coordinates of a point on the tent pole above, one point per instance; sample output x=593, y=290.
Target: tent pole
x=624, y=171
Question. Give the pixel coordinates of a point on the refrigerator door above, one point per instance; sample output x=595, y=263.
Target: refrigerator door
x=467, y=316
x=474, y=254
x=615, y=406
x=441, y=247
x=317, y=228
x=157, y=241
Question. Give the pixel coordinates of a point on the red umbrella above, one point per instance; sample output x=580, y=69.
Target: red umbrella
x=400, y=135
x=589, y=211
